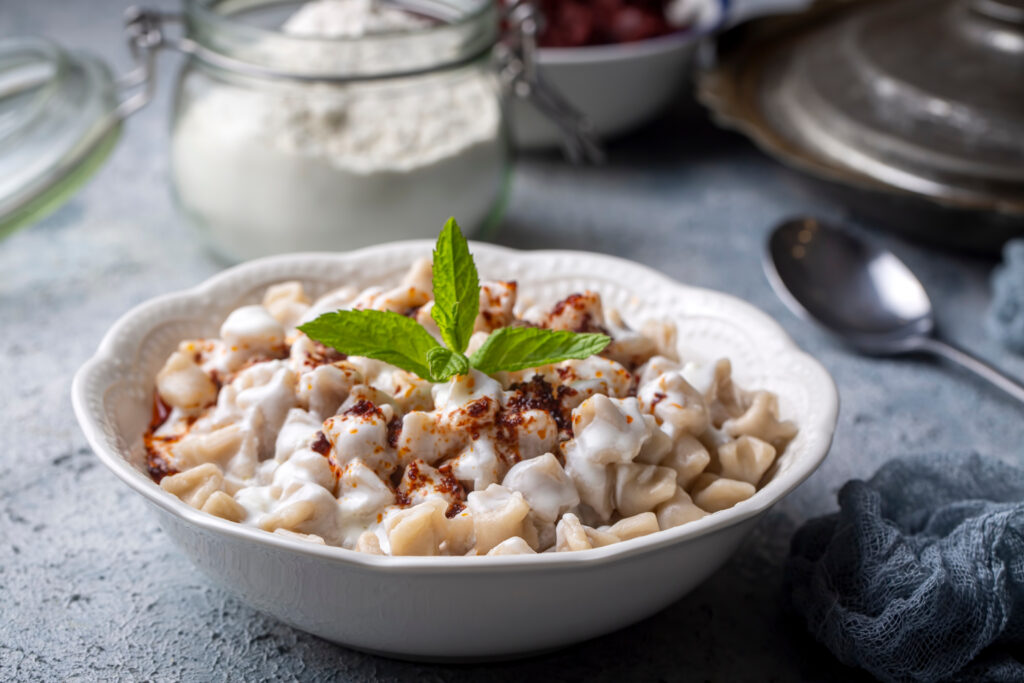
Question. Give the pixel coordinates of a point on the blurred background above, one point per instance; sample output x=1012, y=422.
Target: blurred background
x=626, y=143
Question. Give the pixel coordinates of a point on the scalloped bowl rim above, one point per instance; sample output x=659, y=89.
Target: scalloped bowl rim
x=104, y=362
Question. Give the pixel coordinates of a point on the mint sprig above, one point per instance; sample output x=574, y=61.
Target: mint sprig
x=519, y=348
x=381, y=335
x=404, y=343
x=445, y=363
x=456, y=288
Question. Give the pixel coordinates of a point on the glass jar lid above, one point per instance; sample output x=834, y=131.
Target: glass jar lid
x=918, y=96
x=58, y=122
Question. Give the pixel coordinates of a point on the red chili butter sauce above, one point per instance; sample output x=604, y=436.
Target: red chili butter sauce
x=538, y=394
x=156, y=464
x=365, y=408
x=508, y=423
x=161, y=411
x=322, y=355
x=321, y=445
x=413, y=480
x=449, y=484
x=578, y=302
x=491, y=319
x=394, y=431
x=478, y=407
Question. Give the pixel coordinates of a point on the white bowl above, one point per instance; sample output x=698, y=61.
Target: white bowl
x=618, y=87
x=455, y=607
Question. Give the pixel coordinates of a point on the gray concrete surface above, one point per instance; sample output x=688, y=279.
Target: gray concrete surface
x=91, y=589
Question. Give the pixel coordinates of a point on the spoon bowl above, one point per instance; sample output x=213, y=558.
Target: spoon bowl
x=854, y=289
x=861, y=293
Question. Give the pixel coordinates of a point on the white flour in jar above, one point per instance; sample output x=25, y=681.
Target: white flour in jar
x=267, y=170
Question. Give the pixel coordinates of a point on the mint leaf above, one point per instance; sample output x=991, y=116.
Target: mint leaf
x=518, y=348
x=456, y=288
x=404, y=343
x=445, y=363
x=381, y=335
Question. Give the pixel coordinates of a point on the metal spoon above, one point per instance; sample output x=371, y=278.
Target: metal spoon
x=861, y=293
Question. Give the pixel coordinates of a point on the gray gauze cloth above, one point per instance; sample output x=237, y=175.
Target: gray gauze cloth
x=920, y=575
x=1006, y=314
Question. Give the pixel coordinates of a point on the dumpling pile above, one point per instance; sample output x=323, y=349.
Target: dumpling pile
x=266, y=427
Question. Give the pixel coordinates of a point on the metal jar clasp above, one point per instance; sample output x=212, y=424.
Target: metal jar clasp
x=516, y=56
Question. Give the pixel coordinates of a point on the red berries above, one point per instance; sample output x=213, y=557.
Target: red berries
x=572, y=23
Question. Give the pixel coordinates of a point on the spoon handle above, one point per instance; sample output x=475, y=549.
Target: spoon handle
x=975, y=365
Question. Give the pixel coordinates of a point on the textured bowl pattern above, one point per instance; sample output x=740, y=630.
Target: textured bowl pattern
x=298, y=581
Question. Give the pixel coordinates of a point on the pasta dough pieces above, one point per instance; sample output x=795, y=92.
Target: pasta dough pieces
x=641, y=488
x=498, y=514
x=714, y=493
x=745, y=459
x=761, y=420
x=183, y=384
x=608, y=430
x=677, y=510
x=548, y=490
x=272, y=429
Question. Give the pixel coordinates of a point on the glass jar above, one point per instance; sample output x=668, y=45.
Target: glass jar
x=284, y=142
x=58, y=122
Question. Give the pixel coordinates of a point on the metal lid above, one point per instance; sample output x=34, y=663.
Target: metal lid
x=58, y=122
x=917, y=96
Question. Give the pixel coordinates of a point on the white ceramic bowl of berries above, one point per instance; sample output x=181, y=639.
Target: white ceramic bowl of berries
x=618, y=62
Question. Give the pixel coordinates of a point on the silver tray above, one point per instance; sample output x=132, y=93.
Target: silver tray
x=909, y=111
